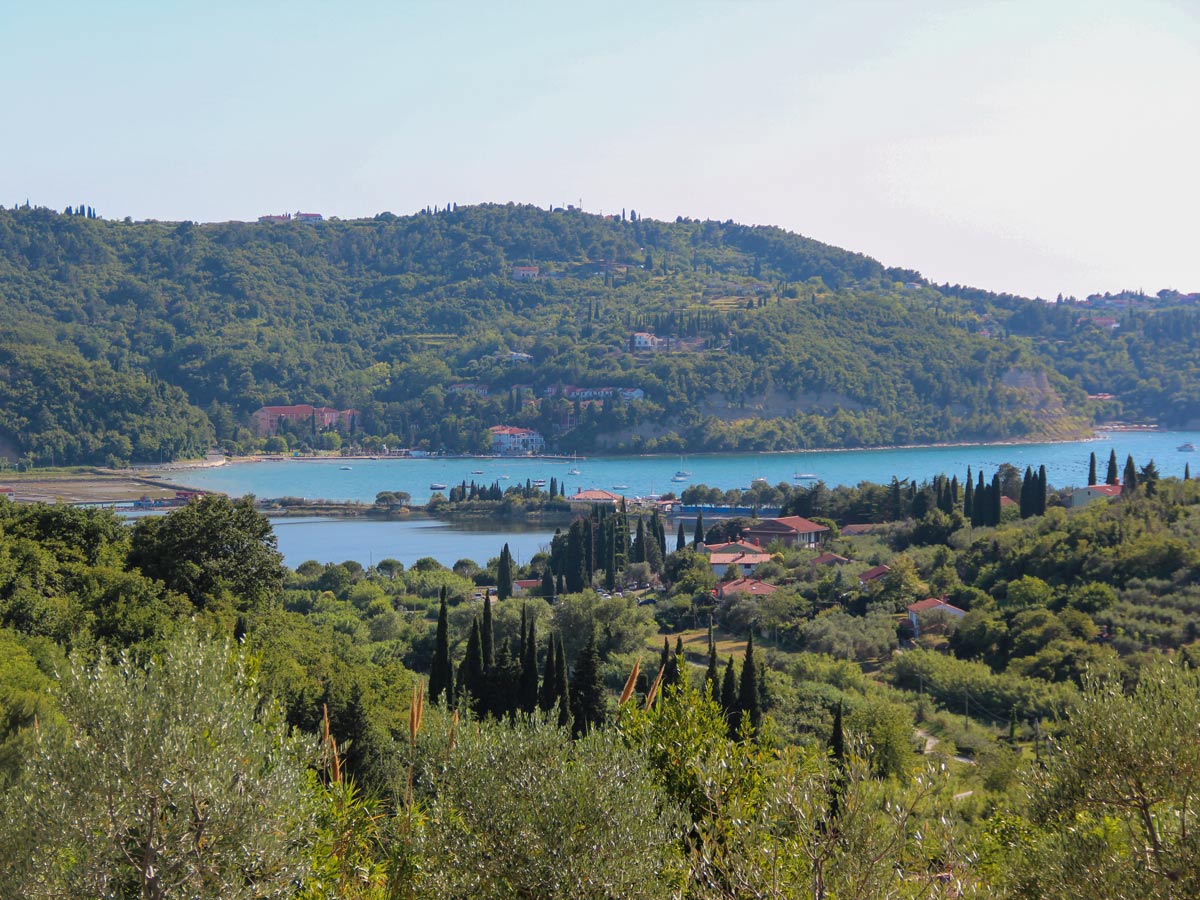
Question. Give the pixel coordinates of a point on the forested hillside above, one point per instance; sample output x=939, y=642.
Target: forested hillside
x=138, y=341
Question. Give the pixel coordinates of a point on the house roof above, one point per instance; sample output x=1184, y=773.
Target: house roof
x=826, y=558
x=595, y=495
x=933, y=603
x=874, y=572
x=788, y=525
x=528, y=583
x=732, y=547
x=852, y=530
x=1108, y=490
x=751, y=586
x=510, y=429
x=739, y=558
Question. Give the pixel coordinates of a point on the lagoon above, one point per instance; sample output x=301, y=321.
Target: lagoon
x=361, y=479
x=368, y=541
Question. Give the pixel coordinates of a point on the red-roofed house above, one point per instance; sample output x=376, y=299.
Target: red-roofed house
x=525, y=273
x=829, y=559
x=594, y=495
x=928, y=606
x=872, y=574
x=721, y=562
x=525, y=585
x=855, y=530
x=750, y=586
x=508, y=440
x=1084, y=496
x=791, y=531
x=731, y=547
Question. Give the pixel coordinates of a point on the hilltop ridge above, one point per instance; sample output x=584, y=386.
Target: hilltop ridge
x=140, y=341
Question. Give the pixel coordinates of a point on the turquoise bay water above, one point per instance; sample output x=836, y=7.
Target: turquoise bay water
x=335, y=540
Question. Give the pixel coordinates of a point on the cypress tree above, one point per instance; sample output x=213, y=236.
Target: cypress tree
x=639, y=542
x=562, y=688
x=504, y=575
x=748, y=696
x=729, y=694
x=969, y=500
x=529, y=674
x=680, y=538
x=837, y=751
x=699, y=536
x=995, y=496
x=487, y=636
x=713, y=676
x=547, y=583
x=953, y=492
x=1187, y=471
x=441, y=675
x=1092, y=468
x=549, y=692
x=1111, y=476
x=470, y=673
x=1040, y=496
x=1131, y=478
x=587, y=691
x=560, y=586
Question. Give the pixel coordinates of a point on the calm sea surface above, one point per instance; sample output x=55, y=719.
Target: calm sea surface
x=327, y=539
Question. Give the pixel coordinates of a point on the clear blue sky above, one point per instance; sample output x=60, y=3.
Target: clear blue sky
x=1035, y=147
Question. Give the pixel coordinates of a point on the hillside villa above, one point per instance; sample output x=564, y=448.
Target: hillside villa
x=267, y=420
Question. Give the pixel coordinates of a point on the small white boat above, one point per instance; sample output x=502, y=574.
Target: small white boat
x=539, y=482
x=620, y=487
x=344, y=468
x=504, y=478
x=804, y=476
x=477, y=471
x=436, y=486
x=574, y=471
x=1189, y=447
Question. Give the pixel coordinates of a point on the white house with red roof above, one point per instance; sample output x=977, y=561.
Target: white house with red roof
x=829, y=559
x=931, y=605
x=1084, y=496
x=508, y=440
x=721, y=561
x=751, y=587
x=791, y=531
x=267, y=420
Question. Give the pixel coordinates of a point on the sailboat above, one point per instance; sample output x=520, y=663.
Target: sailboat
x=574, y=470
x=683, y=474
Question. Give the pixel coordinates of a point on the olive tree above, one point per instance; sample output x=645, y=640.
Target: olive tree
x=169, y=780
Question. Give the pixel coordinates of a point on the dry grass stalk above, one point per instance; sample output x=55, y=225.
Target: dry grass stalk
x=416, y=711
x=630, y=683
x=453, y=734
x=653, y=692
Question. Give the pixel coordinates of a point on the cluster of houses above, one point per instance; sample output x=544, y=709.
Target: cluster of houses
x=268, y=420
x=290, y=217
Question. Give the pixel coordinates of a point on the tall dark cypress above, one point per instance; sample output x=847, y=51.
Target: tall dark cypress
x=587, y=690
x=712, y=677
x=471, y=678
x=547, y=583
x=1187, y=471
x=639, y=542
x=529, y=674
x=1130, y=481
x=562, y=688
x=549, y=691
x=995, y=496
x=1092, y=468
x=837, y=753
x=1040, y=496
x=680, y=538
x=441, y=675
x=1112, y=475
x=969, y=500
x=487, y=636
x=748, y=695
x=699, y=536
x=729, y=694
x=504, y=575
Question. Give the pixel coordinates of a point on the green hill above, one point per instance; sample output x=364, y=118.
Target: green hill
x=123, y=340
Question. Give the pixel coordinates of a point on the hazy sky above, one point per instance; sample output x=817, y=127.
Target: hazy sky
x=1035, y=147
